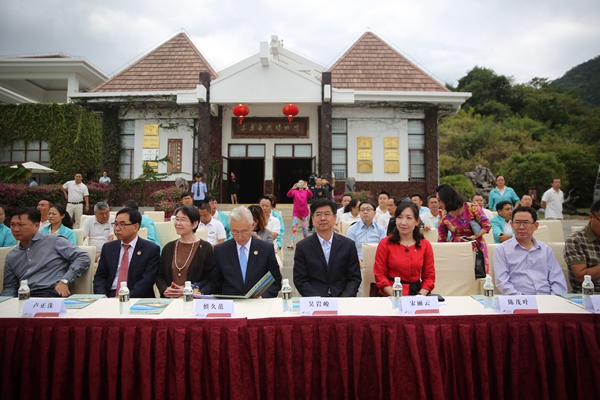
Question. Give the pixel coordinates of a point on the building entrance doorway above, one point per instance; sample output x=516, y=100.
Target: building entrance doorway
x=251, y=177
x=286, y=172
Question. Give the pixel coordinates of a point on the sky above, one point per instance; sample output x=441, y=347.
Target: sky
x=518, y=38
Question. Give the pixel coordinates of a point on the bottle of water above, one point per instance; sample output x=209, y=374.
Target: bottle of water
x=188, y=299
x=124, y=299
x=397, y=292
x=587, y=288
x=24, y=294
x=286, y=292
x=488, y=293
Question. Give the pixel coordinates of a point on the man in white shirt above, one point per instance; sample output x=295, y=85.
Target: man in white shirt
x=215, y=229
x=346, y=198
x=43, y=207
x=552, y=201
x=99, y=228
x=384, y=219
x=431, y=219
x=382, y=200
x=76, y=193
x=478, y=199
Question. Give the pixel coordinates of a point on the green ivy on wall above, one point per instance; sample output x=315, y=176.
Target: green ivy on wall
x=74, y=136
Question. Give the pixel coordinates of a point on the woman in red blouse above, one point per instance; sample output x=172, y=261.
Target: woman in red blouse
x=405, y=253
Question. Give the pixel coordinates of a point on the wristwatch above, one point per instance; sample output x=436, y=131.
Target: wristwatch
x=65, y=281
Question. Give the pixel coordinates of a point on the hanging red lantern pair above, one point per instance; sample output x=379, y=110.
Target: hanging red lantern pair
x=241, y=111
x=290, y=111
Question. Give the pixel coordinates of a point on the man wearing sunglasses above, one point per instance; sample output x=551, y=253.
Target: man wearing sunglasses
x=524, y=265
x=129, y=259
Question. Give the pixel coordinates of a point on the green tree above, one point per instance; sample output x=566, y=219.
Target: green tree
x=485, y=85
x=461, y=183
x=533, y=169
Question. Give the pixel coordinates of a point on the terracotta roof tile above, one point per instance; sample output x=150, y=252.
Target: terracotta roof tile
x=372, y=64
x=174, y=65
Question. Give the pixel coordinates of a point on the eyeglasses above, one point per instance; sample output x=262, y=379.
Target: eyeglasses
x=120, y=225
x=526, y=224
x=323, y=214
x=181, y=220
x=240, y=233
x=366, y=209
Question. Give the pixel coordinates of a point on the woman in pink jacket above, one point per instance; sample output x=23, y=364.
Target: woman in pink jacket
x=300, y=193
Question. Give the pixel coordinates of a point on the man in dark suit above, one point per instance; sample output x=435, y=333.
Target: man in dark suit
x=234, y=273
x=326, y=264
x=130, y=258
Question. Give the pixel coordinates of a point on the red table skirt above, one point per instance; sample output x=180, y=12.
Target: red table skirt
x=471, y=357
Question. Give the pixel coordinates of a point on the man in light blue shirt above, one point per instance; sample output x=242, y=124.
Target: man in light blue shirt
x=365, y=230
x=525, y=266
x=199, y=189
x=501, y=226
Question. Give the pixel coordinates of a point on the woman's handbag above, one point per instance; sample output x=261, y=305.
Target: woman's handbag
x=479, y=265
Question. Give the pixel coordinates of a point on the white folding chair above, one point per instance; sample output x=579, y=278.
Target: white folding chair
x=555, y=229
x=85, y=283
x=368, y=277
x=156, y=216
x=454, y=269
x=3, y=252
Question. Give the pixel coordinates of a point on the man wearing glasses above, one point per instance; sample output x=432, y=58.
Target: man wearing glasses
x=582, y=252
x=525, y=266
x=365, y=230
x=129, y=259
x=326, y=263
x=240, y=263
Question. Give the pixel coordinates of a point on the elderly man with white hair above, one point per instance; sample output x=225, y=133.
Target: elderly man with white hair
x=240, y=263
x=99, y=229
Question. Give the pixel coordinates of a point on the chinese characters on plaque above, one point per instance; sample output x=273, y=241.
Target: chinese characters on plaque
x=257, y=127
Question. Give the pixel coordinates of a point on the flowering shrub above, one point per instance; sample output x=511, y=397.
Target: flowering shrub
x=166, y=199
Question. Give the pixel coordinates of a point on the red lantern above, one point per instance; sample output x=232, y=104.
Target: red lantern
x=241, y=111
x=290, y=111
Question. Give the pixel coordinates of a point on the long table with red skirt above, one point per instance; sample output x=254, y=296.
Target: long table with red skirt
x=368, y=351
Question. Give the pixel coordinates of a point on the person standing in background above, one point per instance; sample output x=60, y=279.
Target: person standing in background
x=552, y=201
x=76, y=193
x=104, y=178
x=500, y=193
x=199, y=189
x=234, y=188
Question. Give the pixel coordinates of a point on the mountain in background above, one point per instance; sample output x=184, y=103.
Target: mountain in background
x=585, y=80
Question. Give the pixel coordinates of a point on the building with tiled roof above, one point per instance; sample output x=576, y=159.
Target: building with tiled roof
x=172, y=66
x=372, y=64
x=371, y=116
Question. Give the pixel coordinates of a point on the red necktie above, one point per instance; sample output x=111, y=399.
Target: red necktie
x=123, y=268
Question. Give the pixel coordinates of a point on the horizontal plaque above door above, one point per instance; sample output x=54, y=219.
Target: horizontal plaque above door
x=257, y=127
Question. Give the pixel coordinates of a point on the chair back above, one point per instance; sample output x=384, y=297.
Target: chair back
x=83, y=218
x=156, y=216
x=555, y=229
x=166, y=232
x=557, y=249
x=431, y=235
x=491, y=248
x=143, y=233
x=576, y=228
x=368, y=251
x=454, y=269
x=85, y=283
x=3, y=252
x=202, y=233
x=344, y=225
x=542, y=234
x=79, y=236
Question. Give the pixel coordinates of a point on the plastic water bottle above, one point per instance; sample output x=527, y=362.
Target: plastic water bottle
x=24, y=294
x=587, y=288
x=124, y=299
x=188, y=299
x=488, y=293
x=397, y=292
x=286, y=292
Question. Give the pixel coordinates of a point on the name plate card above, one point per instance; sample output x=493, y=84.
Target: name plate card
x=44, y=308
x=213, y=308
x=592, y=304
x=516, y=305
x=414, y=305
x=318, y=306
